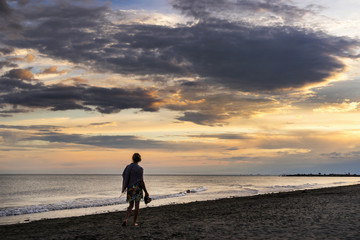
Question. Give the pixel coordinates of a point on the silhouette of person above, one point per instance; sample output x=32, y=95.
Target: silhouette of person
x=133, y=183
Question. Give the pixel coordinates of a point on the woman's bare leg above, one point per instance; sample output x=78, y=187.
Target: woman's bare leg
x=136, y=213
x=128, y=212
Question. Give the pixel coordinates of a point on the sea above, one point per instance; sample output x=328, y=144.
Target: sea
x=26, y=198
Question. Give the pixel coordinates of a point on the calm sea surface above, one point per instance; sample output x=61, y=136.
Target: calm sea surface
x=25, y=198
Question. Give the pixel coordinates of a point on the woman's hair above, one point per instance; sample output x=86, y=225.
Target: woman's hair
x=136, y=158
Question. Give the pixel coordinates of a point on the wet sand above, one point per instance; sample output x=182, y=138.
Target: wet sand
x=329, y=213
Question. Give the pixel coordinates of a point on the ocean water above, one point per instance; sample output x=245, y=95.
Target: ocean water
x=25, y=198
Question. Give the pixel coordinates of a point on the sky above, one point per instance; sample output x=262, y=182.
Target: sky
x=194, y=86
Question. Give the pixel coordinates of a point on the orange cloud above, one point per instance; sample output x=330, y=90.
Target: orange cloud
x=29, y=58
x=21, y=74
x=53, y=70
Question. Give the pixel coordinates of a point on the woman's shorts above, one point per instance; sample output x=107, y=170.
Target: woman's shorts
x=134, y=193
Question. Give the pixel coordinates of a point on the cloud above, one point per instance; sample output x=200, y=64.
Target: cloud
x=6, y=50
x=14, y=80
x=220, y=50
x=340, y=96
x=345, y=106
x=239, y=159
x=7, y=64
x=31, y=127
x=19, y=73
x=205, y=10
x=29, y=58
x=52, y=70
x=205, y=105
x=9, y=113
x=203, y=118
x=224, y=136
x=45, y=134
x=342, y=156
x=101, y=124
x=337, y=92
x=74, y=81
x=314, y=141
x=99, y=141
x=240, y=56
x=9, y=21
x=84, y=97
x=4, y=7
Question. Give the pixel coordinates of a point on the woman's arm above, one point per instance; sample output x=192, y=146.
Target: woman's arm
x=144, y=187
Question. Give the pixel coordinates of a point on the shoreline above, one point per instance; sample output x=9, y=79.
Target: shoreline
x=316, y=214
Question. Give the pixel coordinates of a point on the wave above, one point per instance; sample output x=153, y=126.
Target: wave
x=241, y=186
x=83, y=203
x=292, y=187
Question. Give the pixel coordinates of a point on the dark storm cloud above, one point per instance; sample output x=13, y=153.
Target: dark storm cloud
x=18, y=93
x=9, y=21
x=58, y=28
x=6, y=64
x=9, y=84
x=240, y=56
x=115, y=99
x=5, y=50
x=266, y=58
x=4, y=8
x=205, y=9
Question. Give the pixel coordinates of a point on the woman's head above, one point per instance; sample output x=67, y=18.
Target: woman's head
x=136, y=158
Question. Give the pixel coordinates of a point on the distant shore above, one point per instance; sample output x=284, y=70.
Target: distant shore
x=321, y=175
x=328, y=213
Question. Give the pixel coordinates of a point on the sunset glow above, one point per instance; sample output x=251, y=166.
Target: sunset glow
x=194, y=86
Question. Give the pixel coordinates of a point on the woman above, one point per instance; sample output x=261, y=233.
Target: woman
x=133, y=182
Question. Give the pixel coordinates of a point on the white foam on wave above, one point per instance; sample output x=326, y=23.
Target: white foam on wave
x=336, y=183
x=180, y=194
x=293, y=187
x=70, y=204
x=241, y=185
x=83, y=203
x=196, y=190
x=251, y=191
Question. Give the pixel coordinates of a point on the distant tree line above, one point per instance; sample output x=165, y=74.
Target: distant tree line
x=322, y=175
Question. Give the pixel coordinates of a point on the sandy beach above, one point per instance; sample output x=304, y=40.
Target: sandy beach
x=330, y=213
